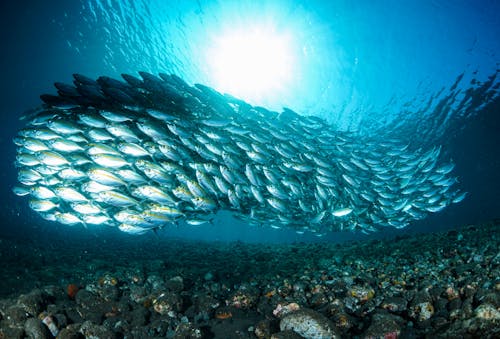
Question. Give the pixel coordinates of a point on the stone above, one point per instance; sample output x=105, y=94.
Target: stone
x=309, y=324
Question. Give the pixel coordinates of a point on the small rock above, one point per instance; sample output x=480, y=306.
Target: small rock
x=281, y=310
x=487, y=312
x=421, y=308
x=35, y=329
x=67, y=333
x=246, y=296
x=208, y=276
x=12, y=333
x=187, y=330
x=34, y=302
x=90, y=330
x=318, y=300
x=263, y=329
x=108, y=280
x=175, y=284
x=288, y=334
x=362, y=293
x=343, y=321
x=309, y=324
x=394, y=304
x=15, y=316
x=167, y=303
x=224, y=312
x=384, y=325
x=139, y=316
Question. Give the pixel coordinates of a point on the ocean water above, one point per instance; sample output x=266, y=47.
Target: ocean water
x=424, y=73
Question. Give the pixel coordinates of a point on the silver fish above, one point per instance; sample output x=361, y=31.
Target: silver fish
x=165, y=152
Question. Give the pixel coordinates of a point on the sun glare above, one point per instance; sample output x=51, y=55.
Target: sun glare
x=251, y=64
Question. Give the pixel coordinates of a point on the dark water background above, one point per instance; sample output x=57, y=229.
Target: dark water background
x=388, y=66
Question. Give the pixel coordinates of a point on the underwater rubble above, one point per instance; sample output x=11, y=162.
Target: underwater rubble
x=427, y=285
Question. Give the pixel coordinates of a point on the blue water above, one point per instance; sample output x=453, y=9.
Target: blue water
x=421, y=71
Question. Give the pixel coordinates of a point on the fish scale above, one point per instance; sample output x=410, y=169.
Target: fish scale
x=194, y=151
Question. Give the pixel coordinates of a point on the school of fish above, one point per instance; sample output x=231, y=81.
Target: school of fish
x=144, y=153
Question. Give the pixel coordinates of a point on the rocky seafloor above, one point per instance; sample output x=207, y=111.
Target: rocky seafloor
x=430, y=285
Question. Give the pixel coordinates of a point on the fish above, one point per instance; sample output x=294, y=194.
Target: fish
x=42, y=205
x=70, y=194
x=21, y=191
x=67, y=218
x=115, y=198
x=42, y=193
x=51, y=158
x=342, y=212
x=85, y=208
x=104, y=177
x=148, y=151
x=64, y=127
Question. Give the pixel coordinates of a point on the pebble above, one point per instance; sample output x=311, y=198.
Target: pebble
x=384, y=325
x=309, y=324
x=35, y=329
x=370, y=289
x=487, y=312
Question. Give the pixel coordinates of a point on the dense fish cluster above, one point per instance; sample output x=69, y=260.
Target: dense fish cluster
x=149, y=152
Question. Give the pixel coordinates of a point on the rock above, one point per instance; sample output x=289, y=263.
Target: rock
x=139, y=294
x=359, y=300
x=487, y=312
x=167, y=303
x=373, y=290
x=492, y=298
x=394, y=304
x=34, y=302
x=343, y=321
x=175, y=284
x=263, y=329
x=362, y=293
x=86, y=299
x=439, y=322
x=224, y=312
x=384, y=325
x=451, y=293
x=203, y=305
x=208, y=276
x=441, y=306
x=74, y=315
x=155, y=283
x=160, y=327
x=109, y=292
x=246, y=296
x=60, y=318
x=12, y=333
x=283, y=309
x=318, y=299
x=454, y=307
x=108, y=280
x=90, y=330
x=309, y=324
x=421, y=308
x=187, y=330
x=67, y=333
x=15, y=316
x=35, y=329
x=288, y=334
x=467, y=309
x=139, y=316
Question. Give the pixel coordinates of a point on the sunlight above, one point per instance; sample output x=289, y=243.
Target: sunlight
x=251, y=64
